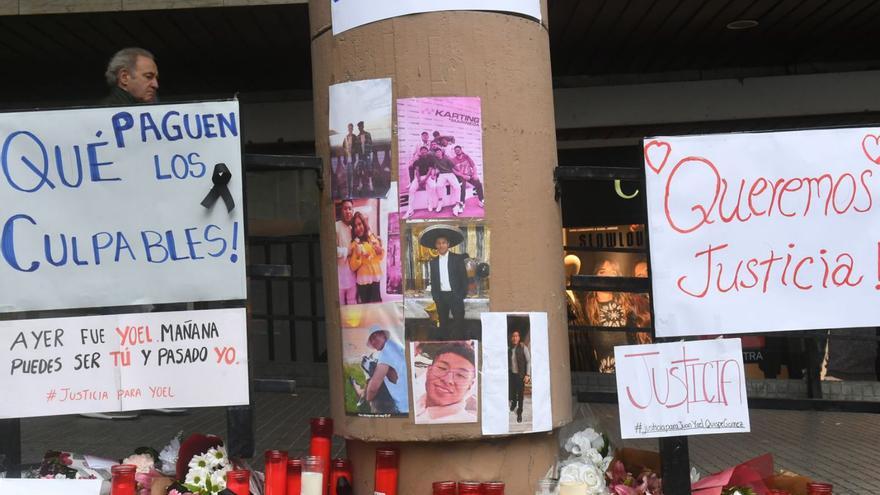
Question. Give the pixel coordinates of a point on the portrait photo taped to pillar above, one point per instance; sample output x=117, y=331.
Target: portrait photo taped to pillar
x=440, y=157
x=367, y=244
x=375, y=378
x=360, y=139
x=445, y=381
x=446, y=275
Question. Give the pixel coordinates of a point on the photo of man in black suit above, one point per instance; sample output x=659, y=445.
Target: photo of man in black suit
x=448, y=278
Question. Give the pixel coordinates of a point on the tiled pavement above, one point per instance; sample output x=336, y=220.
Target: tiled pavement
x=837, y=447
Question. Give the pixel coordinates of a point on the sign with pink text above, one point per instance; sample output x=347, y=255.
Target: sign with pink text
x=681, y=388
x=123, y=362
x=764, y=231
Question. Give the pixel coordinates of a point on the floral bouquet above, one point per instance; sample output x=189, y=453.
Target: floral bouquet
x=586, y=464
x=148, y=464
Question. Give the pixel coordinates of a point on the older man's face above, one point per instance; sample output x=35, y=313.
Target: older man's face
x=143, y=82
x=449, y=378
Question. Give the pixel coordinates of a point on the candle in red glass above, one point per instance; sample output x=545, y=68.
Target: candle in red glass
x=469, y=488
x=276, y=472
x=817, y=488
x=492, y=488
x=238, y=481
x=341, y=469
x=386, y=471
x=122, y=479
x=445, y=488
x=294, y=476
x=322, y=432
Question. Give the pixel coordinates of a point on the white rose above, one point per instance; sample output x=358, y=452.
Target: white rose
x=593, y=457
x=589, y=475
x=583, y=440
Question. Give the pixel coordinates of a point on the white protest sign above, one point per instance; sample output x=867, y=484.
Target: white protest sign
x=12, y=486
x=101, y=207
x=123, y=362
x=681, y=388
x=764, y=232
x=348, y=14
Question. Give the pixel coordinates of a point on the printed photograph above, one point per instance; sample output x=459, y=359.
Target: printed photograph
x=440, y=157
x=445, y=383
x=360, y=139
x=446, y=272
x=374, y=361
x=365, y=250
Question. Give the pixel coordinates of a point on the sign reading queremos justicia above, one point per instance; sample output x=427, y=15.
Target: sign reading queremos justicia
x=348, y=14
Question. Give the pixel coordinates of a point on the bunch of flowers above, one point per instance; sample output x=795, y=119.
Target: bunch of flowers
x=587, y=461
x=146, y=459
x=622, y=482
x=57, y=465
x=206, y=474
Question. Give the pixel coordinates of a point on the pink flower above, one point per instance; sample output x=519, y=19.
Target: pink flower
x=621, y=489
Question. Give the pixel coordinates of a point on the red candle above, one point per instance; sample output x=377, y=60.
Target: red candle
x=276, y=472
x=322, y=432
x=469, y=488
x=238, y=481
x=817, y=488
x=492, y=488
x=386, y=471
x=445, y=488
x=122, y=479
x=294, y=476
x=341, y=469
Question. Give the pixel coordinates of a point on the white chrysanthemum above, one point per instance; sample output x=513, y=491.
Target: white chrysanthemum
x=217, y=457
x=218, y=479
x=144, y=462
x=199, y=462
x=196, y=476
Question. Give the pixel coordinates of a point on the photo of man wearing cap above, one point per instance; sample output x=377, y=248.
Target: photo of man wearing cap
x=449, y=280
x=386, y=389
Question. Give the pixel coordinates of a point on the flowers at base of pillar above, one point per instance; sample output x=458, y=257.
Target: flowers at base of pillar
x=206, y=474
x=64, y=465
x=587, y=460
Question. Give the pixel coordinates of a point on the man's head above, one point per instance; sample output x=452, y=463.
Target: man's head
x=423, y=151
x=458, y=151
x=441, y=244
x=347, y=211
x=361, y=126
x=436, y=134
x=438, y=152
x=514, y=338
x=134, y=71
x=377, y=339
x=451, y=375
x=425, y=136
x=350, y=128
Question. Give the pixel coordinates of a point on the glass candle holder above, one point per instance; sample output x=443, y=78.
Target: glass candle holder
x=238, y=481
x=492, y=488
x=322, y=434
x=313, y=482
x=341, y=468
x=386, y=471
x=276, y=472
x=817, y=488
x=122, y=479
x=444, y=488
x=469, y=487
x=294, y=476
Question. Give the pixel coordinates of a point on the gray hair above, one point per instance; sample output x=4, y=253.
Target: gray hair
x=124, y=59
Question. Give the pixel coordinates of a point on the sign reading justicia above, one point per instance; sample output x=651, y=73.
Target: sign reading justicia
x=348, y=14
x=764, y=231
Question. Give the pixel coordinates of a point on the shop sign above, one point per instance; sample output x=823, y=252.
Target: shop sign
x=681, y=389
x=765, y=231
x=348, y=14
x=103, y=206
x=123, y=362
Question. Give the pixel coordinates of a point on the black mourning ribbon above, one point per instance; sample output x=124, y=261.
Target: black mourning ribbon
x=221, y=178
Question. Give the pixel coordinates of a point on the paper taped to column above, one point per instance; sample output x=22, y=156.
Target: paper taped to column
x=348, y=14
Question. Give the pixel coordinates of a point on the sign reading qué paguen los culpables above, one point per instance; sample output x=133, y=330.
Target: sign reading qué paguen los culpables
x=101, y=207
x=123, y=362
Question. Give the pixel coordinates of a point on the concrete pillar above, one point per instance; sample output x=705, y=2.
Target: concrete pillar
x=505, y=60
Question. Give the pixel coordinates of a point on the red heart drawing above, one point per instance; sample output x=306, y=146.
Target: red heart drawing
x=874, y=147
x=652, y=155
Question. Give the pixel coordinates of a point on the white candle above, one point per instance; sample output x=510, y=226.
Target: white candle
x=572, y=488
x=312, y=483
